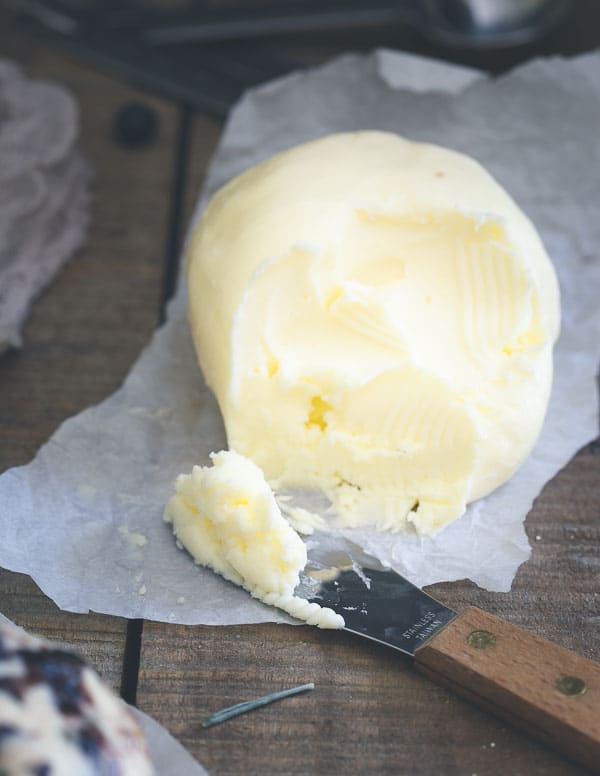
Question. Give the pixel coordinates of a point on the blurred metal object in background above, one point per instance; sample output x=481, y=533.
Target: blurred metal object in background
x=492, y=23
x=461, y=23
x=206, y=55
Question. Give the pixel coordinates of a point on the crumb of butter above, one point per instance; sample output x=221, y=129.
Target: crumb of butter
x=134, y=538
x=227, y=518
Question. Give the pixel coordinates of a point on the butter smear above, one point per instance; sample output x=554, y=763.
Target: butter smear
x=376, y=319
x=227, y=518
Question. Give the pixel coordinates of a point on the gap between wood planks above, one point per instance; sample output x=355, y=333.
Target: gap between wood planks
x=135, y=628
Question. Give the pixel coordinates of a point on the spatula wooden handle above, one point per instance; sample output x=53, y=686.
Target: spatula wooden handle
x=541, y=688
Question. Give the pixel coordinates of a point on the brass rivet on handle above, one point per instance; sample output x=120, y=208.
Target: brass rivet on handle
x=481, y=639
x=570, y=685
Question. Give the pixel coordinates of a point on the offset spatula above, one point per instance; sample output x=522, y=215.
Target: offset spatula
x=537, y=686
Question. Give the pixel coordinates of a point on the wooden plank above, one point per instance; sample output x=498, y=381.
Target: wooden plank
x=98, y=638
x=88, y=327
x=190, y=168
x=370, y=712
x=205, y=135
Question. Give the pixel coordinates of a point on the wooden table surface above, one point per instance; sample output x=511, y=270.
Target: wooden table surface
x=370, y=712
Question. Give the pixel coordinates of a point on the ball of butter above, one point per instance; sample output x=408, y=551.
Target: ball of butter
x=376, y=319
x=227, y=518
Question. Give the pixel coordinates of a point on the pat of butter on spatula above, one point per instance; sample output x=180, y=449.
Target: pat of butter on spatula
x=227, y=518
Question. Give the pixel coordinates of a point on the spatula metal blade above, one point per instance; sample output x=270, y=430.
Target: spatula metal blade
x=374, y=601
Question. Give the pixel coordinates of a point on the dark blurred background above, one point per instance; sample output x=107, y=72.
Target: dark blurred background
x=204, y=53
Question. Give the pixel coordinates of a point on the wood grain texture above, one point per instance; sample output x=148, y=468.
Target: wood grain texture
x=88, y=326
x=370, y=711
x=517, y=675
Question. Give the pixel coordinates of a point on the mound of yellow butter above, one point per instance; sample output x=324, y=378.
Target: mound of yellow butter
x=227, y=518
x=376, y=319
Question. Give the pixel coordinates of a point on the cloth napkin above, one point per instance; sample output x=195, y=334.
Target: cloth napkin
x=44, y=192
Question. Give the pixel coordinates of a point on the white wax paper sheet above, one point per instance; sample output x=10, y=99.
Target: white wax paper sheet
x=167, y=754
x=84, y=519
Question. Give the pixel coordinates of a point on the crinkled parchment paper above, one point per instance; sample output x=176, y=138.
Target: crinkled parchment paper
x=84, y=518
x=167, y=754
